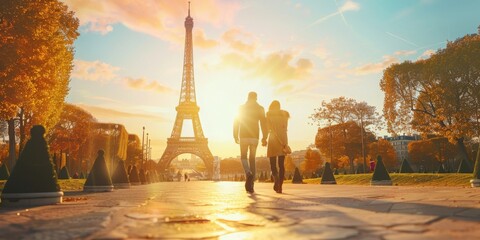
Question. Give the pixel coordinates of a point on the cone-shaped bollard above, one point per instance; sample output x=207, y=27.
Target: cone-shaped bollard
x=464, y=167
x=327, y=176
x=475, y=182
x=405, y=168
x=297, y=177
x=441, y=169
x=120, y=177
x=33, y=181
x=133, y=176
x=99, y=180
x=4, y=173
x=64, y=173
x=380, y=174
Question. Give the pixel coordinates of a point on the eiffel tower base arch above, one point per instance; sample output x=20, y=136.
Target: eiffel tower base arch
x=198, y=147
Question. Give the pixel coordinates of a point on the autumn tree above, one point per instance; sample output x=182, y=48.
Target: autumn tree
x=289, y=164
x=429, y=153
x=71, y=132
x=439, y=95
x=134, y=150
x=341, y=140
x=385, y=149
x=313, y=160
x=36, y=54
x=342, y=112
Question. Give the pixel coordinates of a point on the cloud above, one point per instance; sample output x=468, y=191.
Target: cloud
x=163, y=18
x=277, y=66
x=94, y=71
x=231, y=37
x=142, y=84
x=426, y=54
x=199, y=40
x=405, y=52
x=346, y=7
x=109, y=113
x=376, y=67
x=349, y=6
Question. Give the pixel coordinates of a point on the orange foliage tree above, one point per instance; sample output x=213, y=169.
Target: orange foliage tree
x=313, y=161
x=72, y=131
x=385, y=149
x=36, y=55
x=341, y=140
x=430, y=152
x=439, y=95
x=348, y=117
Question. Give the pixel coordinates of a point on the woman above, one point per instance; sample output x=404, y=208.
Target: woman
x=277, y=123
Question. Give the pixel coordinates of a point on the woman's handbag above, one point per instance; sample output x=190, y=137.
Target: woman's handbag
x=287, y=149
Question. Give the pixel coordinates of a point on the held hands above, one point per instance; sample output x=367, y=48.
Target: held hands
x=264, y=142
x=237, y=141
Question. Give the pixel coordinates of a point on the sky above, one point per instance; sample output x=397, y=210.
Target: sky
x=129, y=58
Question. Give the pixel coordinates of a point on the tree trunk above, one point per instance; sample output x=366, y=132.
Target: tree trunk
x=462, y=150
x=11, y=144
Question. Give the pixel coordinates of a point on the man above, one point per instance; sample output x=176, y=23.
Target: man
x=246, y=132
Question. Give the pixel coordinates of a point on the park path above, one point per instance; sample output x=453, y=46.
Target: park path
x=222, y=210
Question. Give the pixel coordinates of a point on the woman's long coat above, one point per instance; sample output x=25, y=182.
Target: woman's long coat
x=277, y=124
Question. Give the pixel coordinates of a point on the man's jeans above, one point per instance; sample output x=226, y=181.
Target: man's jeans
x=248, y=145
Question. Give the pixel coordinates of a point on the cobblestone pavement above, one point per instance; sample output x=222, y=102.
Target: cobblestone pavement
x=222, y=210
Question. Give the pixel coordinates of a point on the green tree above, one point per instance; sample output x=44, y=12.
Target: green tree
x=36, y=54
x=439, y=95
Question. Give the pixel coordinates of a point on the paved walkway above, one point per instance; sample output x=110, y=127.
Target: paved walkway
x=222, y=210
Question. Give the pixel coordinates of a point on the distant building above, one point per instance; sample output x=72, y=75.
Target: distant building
x=400, y=144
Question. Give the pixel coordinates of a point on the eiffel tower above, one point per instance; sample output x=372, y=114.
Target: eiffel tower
x=187, y=109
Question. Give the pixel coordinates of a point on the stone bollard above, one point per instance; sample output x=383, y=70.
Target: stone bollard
x=98, y=179
x=33, y=181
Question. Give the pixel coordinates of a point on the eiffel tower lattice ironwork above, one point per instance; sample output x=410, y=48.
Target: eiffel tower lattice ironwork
x=187, y=109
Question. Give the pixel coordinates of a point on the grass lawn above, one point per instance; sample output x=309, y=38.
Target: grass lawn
x=406, y=179
x=65, y=185
x=398, y=179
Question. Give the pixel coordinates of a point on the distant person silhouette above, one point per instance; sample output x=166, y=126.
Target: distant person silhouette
x=277, y=123
x=246, y=132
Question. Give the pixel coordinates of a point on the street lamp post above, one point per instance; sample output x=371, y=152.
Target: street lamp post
x=149, y=149
x=363, y=147
x=143, y=138
x=146, y=151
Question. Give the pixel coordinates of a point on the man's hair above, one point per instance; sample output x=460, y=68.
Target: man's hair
x=252, y=96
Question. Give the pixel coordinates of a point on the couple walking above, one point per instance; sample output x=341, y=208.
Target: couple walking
x=246, y=132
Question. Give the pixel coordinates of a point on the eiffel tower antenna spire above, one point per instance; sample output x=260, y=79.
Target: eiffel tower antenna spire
x=187, y=109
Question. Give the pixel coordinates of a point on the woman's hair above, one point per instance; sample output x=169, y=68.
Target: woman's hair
x=275, y=105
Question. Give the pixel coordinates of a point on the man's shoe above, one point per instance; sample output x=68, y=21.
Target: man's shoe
x=249, y=183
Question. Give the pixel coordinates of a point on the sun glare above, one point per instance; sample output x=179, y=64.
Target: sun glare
x=220, y=100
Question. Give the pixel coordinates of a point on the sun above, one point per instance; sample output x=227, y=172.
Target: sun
x=220, y=100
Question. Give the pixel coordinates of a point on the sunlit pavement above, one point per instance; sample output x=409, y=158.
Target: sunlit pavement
x=222, y=210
